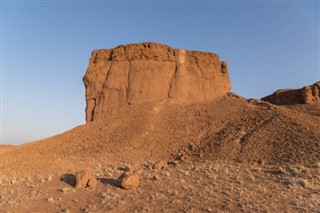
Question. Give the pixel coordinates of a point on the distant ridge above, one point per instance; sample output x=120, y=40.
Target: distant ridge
x=305, y=95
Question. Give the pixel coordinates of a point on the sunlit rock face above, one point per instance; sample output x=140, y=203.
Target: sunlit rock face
x=144, y=72
x=306, y=95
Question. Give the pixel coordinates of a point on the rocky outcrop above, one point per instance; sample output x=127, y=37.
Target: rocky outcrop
x=306, y=95
x=137, y=73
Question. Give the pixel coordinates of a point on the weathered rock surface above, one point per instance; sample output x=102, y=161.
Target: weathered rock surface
x=144, y=72
x=306, y=95
x=129, y=180
x=160, y=165
x=129, y=168
x=85, y=178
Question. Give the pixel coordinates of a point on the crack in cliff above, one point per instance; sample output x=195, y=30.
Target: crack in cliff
x=128, y=83
x=197, y=64
x=128, y=77
x=105, y=85
x=93, y=108
x=172, y=79
x=201, y=76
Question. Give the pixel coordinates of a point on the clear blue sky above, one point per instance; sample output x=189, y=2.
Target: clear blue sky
x=46, y=47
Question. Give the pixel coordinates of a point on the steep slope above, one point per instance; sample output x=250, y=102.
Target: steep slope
x=230, y=128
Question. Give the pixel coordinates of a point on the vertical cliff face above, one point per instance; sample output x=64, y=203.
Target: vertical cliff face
x=137, y=73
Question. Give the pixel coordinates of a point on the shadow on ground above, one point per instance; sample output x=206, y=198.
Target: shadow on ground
x=109, y=181
x=70, y=179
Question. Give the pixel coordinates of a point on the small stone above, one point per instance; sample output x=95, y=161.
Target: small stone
x=261, y=162
x=156, y=177
x=104, y=195
x=316, y=164
x=303, y=183
x=173, y=163
x=129, y=180
x=167, y=174
x=149, y=167
x=129, y=168
x=160, y=165
x=64, y=190
x=181, y=155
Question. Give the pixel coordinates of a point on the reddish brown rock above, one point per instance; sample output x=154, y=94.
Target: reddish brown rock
x=129, y=180
x=129, y=168
x=156, y=177
x=306, y=95
x=85, y=178
x=137, y=73
x=160, y=165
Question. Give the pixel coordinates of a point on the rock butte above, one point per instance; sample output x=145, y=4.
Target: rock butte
x=306, y=95
x=145, y=72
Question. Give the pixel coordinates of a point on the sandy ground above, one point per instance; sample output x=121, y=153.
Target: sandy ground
x=231, y=155
x=194, y=185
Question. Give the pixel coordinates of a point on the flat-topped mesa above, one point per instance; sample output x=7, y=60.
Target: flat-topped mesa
x=144, y=72
x=306, y=95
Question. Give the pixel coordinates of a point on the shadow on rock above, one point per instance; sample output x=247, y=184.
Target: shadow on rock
x=69, y=179
x=109, y=181
x=121, y=168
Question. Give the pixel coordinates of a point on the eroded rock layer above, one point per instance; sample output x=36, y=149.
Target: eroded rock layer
x=144, y=72
x=306, y=95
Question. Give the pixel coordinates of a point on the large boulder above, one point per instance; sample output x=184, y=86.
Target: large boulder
x=85, y=178
x=306, y=95
x=129, y=180
x=144, y=72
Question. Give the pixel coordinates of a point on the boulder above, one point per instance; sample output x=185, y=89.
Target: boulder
x=129, y=180
x=85, y=178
